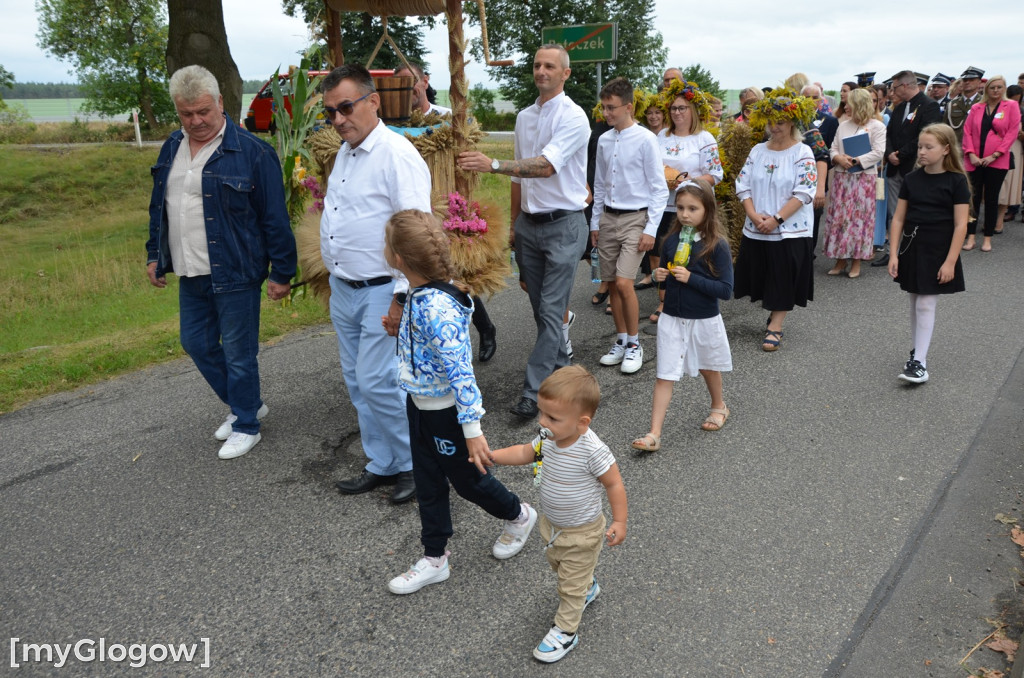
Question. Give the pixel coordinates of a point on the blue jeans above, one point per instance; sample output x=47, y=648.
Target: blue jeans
x=220, y=332
x=369, y=364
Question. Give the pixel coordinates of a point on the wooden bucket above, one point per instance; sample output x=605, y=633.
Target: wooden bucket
x=395, y=97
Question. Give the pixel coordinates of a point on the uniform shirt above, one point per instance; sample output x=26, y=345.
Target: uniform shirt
x=186, y=225
x=570, y=492
x=629, y=175
x=558, y=130
x=382, y=175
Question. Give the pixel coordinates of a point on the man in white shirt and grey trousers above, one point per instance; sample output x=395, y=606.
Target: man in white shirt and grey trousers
x=549, y=193
x=377, y=173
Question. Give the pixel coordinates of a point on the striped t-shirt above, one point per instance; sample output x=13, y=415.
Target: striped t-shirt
x=570, y=492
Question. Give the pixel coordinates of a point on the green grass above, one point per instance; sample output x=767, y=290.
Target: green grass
x=78, y=307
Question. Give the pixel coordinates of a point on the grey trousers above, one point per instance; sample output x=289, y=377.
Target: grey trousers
x=547, y=254
x=892, y=196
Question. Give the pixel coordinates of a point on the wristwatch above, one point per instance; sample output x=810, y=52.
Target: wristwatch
x=495, y=164
x=779, y=219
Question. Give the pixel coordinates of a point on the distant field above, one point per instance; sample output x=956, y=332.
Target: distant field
x=66, y=110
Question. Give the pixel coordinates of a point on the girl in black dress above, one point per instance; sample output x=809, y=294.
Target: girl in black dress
x=928, y=231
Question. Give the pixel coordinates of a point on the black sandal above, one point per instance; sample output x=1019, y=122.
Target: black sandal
x=598, y=298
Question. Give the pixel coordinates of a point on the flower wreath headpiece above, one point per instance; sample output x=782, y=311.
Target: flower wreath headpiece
x=783, y=104
x=641, y=100
x=690, y=91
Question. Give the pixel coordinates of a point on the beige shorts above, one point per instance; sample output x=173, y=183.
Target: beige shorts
x=617, y=242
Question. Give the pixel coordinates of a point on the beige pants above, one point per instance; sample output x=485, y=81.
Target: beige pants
x=573, y=555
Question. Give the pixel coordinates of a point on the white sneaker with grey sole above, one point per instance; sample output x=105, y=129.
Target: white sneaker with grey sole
x=225, y=429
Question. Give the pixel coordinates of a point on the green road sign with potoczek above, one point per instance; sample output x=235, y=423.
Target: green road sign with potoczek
x=585, y=42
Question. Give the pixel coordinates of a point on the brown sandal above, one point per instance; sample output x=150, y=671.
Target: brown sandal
x=712, y=423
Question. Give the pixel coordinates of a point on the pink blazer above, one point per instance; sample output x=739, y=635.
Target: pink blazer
x=1000, y=137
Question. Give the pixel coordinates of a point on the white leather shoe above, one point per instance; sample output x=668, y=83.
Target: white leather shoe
x=238, y=444
x=225, y=429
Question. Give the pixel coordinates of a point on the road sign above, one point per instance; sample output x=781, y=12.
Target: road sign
x=585, y=42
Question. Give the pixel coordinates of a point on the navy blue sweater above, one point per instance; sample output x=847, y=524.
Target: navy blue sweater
x=699, y=297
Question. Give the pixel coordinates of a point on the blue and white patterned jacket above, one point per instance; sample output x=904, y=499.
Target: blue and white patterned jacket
x=435, y=357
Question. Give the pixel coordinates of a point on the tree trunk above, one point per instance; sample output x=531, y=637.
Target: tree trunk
x=196, y=35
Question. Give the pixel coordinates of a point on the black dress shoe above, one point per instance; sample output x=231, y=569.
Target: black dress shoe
x=488, y=344
x=405, y=488
x=525, y=408
x=364, y=483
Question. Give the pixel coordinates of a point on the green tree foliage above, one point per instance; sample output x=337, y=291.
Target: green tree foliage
x=360, y=33
x=702, y=77
x=117, y=50
x=45, y=90
x=515, y=28
x=6, y=80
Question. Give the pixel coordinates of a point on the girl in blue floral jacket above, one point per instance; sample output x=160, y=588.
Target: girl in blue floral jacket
x=443, y=402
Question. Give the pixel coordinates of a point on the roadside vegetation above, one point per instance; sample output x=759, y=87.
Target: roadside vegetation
x=77, y=307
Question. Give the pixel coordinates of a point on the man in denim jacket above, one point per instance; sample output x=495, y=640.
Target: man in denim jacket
x=217, y=220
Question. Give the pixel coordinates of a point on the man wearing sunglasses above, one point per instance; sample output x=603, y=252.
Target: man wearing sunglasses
x=377, y=172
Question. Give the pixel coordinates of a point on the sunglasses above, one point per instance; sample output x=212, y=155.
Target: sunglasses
x=345, y=109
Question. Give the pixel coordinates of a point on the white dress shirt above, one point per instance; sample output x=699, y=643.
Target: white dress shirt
x=382, y=175
x=186, y=225
x=630, y=175
x=558, y=130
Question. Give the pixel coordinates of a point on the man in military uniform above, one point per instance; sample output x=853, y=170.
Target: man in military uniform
x=958, y=108
x=939, y=91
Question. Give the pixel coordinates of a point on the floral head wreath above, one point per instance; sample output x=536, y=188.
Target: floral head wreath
x=690, y=91
x=780, y=105
x=641, y=100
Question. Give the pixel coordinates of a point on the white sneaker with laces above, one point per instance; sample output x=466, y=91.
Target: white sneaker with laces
x=513, y=536
x=633, y=358
x=423, y=573
x=224, y=432
x=556, y=644
x=238, y=444
x=615, y=355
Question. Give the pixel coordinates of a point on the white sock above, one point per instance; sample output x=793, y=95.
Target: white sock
x=924, y=315
x=633, y=339
x=565, y=331
x=621, y=338
x=437, y=561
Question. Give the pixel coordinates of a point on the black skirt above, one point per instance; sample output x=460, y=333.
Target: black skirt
x=922, y=252
x=778, y=273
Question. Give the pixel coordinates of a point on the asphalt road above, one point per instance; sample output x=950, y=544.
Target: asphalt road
x=841, y=524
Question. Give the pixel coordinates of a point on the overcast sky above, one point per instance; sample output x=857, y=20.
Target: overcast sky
x=753, y=43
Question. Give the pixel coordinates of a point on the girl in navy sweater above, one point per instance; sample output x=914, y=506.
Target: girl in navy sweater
x=691, y=334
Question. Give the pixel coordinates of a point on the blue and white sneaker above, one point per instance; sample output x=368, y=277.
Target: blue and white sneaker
x=556, y=644
x=592, y=592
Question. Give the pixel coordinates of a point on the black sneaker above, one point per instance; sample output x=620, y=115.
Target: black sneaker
x=906, y=366
x=914, y=372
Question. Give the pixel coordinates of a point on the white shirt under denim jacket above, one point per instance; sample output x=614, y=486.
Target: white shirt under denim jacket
x=435, y=356
x=770, y=178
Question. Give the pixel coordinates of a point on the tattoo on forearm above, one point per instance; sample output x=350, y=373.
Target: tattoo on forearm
x=527, y=168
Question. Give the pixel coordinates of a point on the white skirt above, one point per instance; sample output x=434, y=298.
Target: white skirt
x=686, y=346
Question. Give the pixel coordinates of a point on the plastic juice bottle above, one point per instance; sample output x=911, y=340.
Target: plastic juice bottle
x=682, y=256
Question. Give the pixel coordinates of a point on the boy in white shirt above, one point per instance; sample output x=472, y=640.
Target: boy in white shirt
x=630, y=194
x=577, y=469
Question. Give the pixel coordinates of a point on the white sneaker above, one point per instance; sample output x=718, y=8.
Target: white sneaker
x=615, y=355
x=565, y=332
x=513, y=536
x=556, y=644
x=225, y=429
x=633, y=359
x=423, y=573
x=238, y=444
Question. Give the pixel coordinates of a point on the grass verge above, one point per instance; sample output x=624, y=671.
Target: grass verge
x=78, y=307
